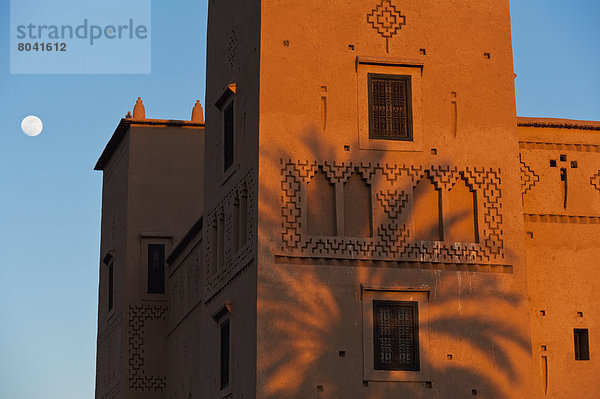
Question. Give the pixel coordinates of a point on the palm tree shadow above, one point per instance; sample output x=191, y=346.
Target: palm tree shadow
x=308, y=308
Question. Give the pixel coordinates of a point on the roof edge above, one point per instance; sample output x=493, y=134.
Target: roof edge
x=557, y=123
x=125, y=124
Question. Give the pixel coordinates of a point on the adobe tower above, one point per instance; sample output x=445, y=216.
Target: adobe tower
x=363, y=232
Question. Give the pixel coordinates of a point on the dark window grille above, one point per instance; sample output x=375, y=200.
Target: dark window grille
x=582, y=344
x=225, y=354
x=396, y=335
x=156, y=268
x=390, y=112
x=110, y=285
x=228, y=136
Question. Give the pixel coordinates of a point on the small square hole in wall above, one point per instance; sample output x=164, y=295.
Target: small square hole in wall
x=346, y=148
x=434, y=151
x=579, y=314
x=319, y=388
x=428, y=384
x=286, y=43
x=449, y=356
x=365, y=383
x=544, y=348
x=342, y=353
x=574, y=164
x=487, y=55
x=542, y=313
x=351, y=47
x=530, y=234
x=474, y=392
x=563, y=158
x=553, y=163
x=423, y=51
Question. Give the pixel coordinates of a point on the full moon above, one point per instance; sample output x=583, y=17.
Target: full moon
x=32, y=125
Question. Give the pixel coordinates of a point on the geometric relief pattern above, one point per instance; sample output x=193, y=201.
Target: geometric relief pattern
x=232, y=48
x=138, y=315
x=386, y=19
x=234, y=260
x=393, y=186
x=595, y=181
x=528, y=178
x=185, y=285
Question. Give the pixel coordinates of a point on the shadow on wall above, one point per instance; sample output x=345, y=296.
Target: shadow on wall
x=307, y=316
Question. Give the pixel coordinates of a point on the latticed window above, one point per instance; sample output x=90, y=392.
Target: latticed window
x=390, y=114
x=396, y=335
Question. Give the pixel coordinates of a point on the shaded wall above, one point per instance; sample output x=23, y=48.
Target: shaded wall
x=561, y=245
x=159, y=190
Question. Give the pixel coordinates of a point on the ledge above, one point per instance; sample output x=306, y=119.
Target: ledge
x=556, y=123
x=397, y=264
x=389, y=61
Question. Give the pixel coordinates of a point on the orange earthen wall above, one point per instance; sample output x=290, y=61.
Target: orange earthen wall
x=561, y=246
x=313, y=289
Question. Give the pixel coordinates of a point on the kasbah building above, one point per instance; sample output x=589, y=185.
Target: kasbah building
x=362, y=215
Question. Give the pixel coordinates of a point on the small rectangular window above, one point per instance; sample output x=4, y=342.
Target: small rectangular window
x=582, y=344
x=390, y=109
x=228, y=136
x=156, y=268
x=225, y=354
x=396, y=335
x=110, y=285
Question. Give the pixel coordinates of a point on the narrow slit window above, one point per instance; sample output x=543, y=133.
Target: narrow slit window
x=390, y=110
x=228, y=136
x=111, y=277
x=156, y=268
x=225, y=338
x=582, y=344
x=396, y=335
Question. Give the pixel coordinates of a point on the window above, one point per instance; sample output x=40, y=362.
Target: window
x=582, y=344
x=156, y=268
x=396, y=335
x=228, y=136
x=390, y=111
x=225, y=336
x=111, y=277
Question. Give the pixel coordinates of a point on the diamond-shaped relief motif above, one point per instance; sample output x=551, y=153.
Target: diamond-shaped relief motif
x=386, y=19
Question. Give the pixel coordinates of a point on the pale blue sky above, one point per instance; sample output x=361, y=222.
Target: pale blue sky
x=50, y=196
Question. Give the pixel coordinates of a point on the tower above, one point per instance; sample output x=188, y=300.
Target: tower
x=151, y=193
x=375, y=147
